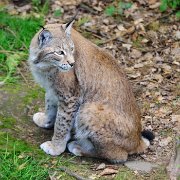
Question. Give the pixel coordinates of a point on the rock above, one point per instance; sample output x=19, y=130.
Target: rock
x=173, y=168
x=142, y=166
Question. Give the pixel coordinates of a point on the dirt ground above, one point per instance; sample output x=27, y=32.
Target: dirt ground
x=146, y=43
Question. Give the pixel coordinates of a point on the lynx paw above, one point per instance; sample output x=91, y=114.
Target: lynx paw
x=74, y=149
x=41, y=120
x=52, y=149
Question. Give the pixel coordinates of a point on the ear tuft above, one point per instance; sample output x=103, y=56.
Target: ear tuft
x=44, y=37
x=68, y=26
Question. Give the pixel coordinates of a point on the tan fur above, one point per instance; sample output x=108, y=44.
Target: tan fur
x=108, y=114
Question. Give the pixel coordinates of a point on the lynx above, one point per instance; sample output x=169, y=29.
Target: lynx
x=88, y=98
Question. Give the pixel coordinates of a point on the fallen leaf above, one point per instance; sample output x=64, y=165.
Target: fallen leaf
x=127, y=46
x=145, y=40
x=154, y=6
x=166, y=69
x=177, y=35
x=131, y=30
x=135, y=53
x=121, y=27
x=138, y=21
x=108, y=171
x=135, y=75
x=165, y=141
x=22, y=166
x=139, y=65
x=152, y=1
x=101, y=166
x=176, y=63
x=158, y=77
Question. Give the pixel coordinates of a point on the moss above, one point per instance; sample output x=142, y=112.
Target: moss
x=125, y=174
x=159, y=174
x=7, y=122
x=154, y=26
x=32, y=94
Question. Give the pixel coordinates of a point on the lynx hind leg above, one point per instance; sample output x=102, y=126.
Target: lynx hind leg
x=113, y=153
x=82, y=147
x=93, y=122
x=144, y=144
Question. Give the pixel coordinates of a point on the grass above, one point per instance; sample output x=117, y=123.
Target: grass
x=117, y=8
x=15, y=164
x=20, y=160
x=15, y=34
x=125, y=174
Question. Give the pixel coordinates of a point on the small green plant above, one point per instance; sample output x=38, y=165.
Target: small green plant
x=173, y=4
x=19, y=165
x=40, y=6
x=110, y=10
x=15, y=34
x=57, y=13
x=82, y=21
x=118, y=9
x=123, y=6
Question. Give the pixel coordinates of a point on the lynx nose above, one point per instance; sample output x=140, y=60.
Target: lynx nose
x=71, y=64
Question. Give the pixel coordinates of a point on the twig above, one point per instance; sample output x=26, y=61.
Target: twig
x=87, y=8
x=6, y=51
x=19, y=71
x=158, y=18
x=115, y=38
x=10, y=52
x=94, y=32
x=69, y=172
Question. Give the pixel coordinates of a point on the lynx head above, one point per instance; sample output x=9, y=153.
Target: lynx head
x=54, y=48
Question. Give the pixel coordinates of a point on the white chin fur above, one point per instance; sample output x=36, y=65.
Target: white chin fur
x=64, y=69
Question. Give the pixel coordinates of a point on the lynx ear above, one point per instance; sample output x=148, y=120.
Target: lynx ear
x=68, y=27
x=44, y=37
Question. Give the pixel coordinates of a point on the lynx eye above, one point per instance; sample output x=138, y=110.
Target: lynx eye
x=59, y=53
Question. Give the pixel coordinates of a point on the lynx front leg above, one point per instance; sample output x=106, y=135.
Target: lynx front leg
x=47, y=119
x=62, y=128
